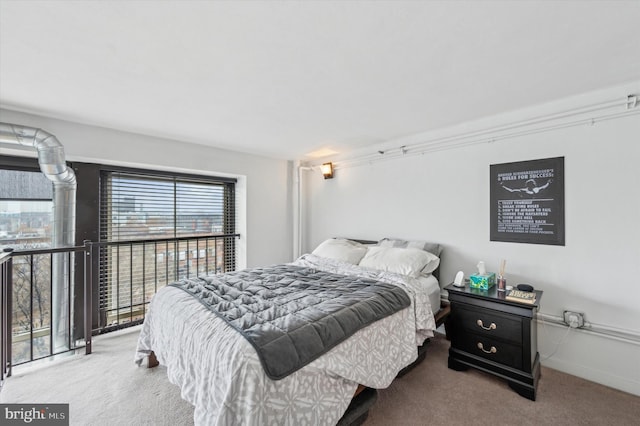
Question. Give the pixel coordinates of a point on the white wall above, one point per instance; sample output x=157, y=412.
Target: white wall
x=263, y=190
x=444, y=197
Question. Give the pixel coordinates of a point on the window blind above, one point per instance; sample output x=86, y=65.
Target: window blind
x=24, y=185
x=138, y=207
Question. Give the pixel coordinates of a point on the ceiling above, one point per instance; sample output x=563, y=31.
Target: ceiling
x=287, y=79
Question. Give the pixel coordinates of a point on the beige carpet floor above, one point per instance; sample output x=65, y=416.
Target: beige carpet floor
x=107, y=388
x=434, y=395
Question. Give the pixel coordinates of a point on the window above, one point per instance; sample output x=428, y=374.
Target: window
x=25, y=224
x=139, y=213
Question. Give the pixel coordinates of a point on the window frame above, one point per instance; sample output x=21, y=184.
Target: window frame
x=27, y=164
x=229, y=224
x=88, y=227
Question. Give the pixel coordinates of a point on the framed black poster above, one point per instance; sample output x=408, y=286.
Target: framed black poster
x=527, y=201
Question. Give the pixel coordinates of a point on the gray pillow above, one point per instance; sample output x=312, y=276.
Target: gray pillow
x=433, y=248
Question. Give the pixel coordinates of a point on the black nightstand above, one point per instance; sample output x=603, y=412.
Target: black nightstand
x=495, y=335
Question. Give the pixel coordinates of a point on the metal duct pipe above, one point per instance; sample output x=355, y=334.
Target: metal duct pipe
x=52, y=163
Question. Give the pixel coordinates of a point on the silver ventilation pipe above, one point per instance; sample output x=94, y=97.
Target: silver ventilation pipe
x=52, y=163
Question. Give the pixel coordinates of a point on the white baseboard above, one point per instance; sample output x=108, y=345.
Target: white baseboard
x=603, y=377
x=601, y=359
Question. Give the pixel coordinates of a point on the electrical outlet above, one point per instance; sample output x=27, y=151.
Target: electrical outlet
x=574, y=319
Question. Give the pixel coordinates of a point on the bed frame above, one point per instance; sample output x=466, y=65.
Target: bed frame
x=364, y=397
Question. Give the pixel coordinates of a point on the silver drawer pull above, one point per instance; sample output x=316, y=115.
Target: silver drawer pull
x=493, y=349
x=492, y=326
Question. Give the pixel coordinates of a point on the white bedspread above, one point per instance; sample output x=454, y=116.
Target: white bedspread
x=219, y=372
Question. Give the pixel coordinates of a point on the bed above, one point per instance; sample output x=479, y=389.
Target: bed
x=219, y=371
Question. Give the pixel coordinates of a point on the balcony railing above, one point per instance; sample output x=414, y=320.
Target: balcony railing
x=131, y=272
x=113, y=283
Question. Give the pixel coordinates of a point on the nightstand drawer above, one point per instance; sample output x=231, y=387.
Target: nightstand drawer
x=494, y=350
x=488, y=323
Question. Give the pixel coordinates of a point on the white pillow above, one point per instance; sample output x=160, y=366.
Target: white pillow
x=405, y=261
x=341, y=249
x=432, y=265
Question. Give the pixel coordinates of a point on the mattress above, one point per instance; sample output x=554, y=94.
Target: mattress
x=432, y=288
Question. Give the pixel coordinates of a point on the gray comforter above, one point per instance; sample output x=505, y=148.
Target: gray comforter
x=292, y=315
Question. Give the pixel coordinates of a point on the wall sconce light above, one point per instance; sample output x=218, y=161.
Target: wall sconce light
x=327, y=170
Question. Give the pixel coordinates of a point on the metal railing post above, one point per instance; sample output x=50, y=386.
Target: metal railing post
x=3, y=320
x=88, y=295
x=7, y=313
x=10, y=314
